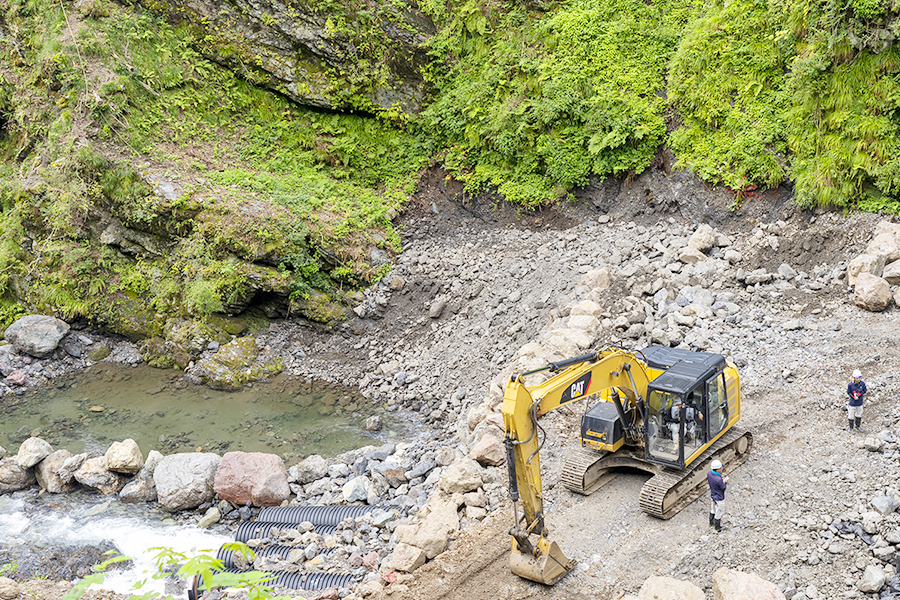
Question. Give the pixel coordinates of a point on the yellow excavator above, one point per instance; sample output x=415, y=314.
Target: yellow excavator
x=663, y=410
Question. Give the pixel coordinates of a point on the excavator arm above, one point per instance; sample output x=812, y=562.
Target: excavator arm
x=587, y=375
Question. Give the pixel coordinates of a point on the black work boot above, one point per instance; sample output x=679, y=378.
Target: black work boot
x=712, y=519
x=851, y=424
x=718, y=525
x=858, y=419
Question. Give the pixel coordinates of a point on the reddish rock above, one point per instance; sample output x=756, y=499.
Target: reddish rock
x=371, y=559
x=355, y=560
x=252, y=477
x=329, y=594
x=395, y=477
x=17, y=377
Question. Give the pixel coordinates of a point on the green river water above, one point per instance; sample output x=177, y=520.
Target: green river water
x=108, y=402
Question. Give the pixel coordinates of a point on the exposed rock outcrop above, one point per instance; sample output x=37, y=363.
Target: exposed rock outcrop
x=315, y=56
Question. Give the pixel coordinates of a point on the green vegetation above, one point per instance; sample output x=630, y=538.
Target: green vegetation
x=726, y=82
x=209, y=572
x=100, y=102
x=261, y=179
x=534, y=106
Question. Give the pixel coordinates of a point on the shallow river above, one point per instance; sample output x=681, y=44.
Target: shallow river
x=109, y=402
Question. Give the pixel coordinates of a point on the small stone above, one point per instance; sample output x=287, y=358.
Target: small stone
x=211, y=517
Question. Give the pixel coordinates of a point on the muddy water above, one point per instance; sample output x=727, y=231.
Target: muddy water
x=156, y=408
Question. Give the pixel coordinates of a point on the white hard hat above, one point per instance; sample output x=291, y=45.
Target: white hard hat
x=717, y=464
x=857, y=374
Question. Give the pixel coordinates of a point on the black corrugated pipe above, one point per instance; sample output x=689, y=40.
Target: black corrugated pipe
x=317, y=515
x=293, y=581
x=259, y=530
x=227, y=556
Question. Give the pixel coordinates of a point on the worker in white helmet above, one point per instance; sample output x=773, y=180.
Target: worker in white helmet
x=717, y=483
x=856, y=389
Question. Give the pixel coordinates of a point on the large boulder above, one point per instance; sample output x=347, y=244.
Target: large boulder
x=488, y=450
x=124, y=457
x=67, y=470
x=48, y=470
x=37, y=335
x=462, y=476
x=885, y=241
x=405, y=558
x=432, y=533
x=311, y=468
x=32, y=451
x=141, y=488
x=872, y=581
x=186, y=480
x=704, y=238
x=891, y=273
x=236, y=363
x=252, y=477
x=729, y=584
x=667, y=588
x=358, y=489
x=9, y=589
x=872, y=293
x=864, y=263
x=13, y=477
x=93, y=473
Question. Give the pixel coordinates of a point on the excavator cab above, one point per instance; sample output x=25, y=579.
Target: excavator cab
x=686, y=406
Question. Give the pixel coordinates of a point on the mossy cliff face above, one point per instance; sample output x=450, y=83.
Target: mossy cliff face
x=142, y=185
x=363, y=54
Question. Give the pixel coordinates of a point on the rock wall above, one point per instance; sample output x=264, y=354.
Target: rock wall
x=368, y=57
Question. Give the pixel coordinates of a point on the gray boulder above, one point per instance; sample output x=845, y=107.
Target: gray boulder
x=308, y=470
x=186, y=480
x=885, y=504
x=141, y=488
x=47, y=472
x=93, y=473
x=357, y=489
x=13, y=477
x=67, y=470
x=872, y=580
x=32, y=451
x=153, y=458
x=37, y=335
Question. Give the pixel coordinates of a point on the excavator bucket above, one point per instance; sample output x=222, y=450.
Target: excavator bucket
x=547, y=567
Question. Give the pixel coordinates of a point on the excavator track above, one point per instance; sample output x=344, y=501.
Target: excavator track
x=669, y=491
x=588, y=470
x=577, y=475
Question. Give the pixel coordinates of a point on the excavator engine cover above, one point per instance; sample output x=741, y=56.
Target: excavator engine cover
x=601, y=427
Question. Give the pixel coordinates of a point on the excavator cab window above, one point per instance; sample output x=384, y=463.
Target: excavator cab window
x=676, y=425
x=664, y=426
x=718, y=404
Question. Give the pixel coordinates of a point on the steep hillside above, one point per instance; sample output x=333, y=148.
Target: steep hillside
x=163, y=161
